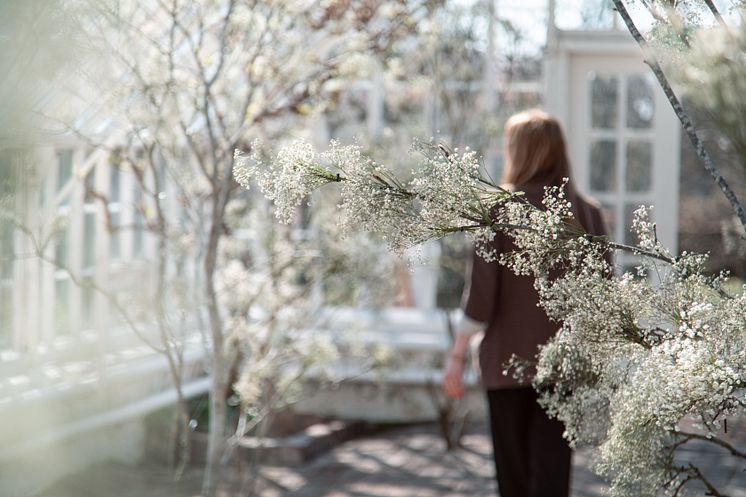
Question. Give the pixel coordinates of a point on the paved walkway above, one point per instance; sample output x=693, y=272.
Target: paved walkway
x=401, y=462
x=407, y=462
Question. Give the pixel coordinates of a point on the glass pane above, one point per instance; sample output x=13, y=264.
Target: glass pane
x=62, y=307
x=138, y=241
x=160, y=175
x=7, y=253
x=603, y=165
x=585, y=15
x=635, y=271
x=638, y=177
x=608, y=211
x=6, y=314
x=8, y=174
x=604, y=101
x=64, y=170
x=115, y=251
x=629, y=209
x=640, y=103
x=89, y=240
x=114, y=180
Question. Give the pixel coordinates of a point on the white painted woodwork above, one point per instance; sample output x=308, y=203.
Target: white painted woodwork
x=573, y=57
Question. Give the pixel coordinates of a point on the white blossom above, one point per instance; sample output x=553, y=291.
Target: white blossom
x=634, y=356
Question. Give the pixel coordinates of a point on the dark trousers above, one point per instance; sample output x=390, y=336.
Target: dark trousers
x=531, y=457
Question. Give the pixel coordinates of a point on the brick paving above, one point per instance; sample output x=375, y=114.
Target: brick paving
x=401, y=462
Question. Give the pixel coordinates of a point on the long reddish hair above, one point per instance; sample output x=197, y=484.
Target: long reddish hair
x=535, y=151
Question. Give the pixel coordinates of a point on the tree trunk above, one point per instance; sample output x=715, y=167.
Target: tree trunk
x=219, y=384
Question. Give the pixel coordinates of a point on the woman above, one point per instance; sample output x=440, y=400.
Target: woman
x=531, y=457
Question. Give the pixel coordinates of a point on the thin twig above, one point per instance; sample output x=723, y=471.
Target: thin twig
x=697, y=474
x=78, y=281
x=714, y=440
x=715, y=12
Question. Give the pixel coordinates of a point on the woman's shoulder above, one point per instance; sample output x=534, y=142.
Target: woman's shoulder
x=589, y=212
x=587, y=201
x=533, y=192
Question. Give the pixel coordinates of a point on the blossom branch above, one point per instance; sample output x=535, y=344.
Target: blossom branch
x=614, y=349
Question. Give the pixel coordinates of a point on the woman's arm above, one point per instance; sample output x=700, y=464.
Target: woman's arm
x=479, y=300
x=453, y=383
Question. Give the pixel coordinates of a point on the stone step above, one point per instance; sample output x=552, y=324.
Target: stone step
x=301, y=447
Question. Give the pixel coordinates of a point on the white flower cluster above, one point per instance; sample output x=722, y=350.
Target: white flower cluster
x=448, y=184
x=545, y=236
x=270, y=287
x=288, y=180
x=447, y=194
x=374, y=200
x=634, y=357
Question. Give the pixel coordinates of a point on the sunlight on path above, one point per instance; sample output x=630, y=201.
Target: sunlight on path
x=400, y=462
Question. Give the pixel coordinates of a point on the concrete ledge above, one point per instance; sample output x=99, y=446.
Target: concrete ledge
x=298, y=448
x=288, y=450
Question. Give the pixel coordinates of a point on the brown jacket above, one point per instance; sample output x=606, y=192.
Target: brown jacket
x=508, y=303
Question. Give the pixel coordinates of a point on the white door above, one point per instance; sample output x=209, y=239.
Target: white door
x=624, y=141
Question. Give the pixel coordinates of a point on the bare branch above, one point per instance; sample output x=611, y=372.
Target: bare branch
x=683, y=116
x=714, y=440
x=716, y=13
x=696, y=474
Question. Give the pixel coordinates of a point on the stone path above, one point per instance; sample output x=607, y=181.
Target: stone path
x=408, y=462
x=402, y=462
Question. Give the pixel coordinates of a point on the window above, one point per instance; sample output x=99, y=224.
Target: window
x=603, y=165
x=604, y=101
x=115, y=180
x=639, y=171
x=115, y=240
x=8, y=176
x=620, y=146
x=640, y=107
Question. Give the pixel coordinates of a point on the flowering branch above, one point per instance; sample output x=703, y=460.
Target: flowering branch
x=449, y=195
x=631, y=359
